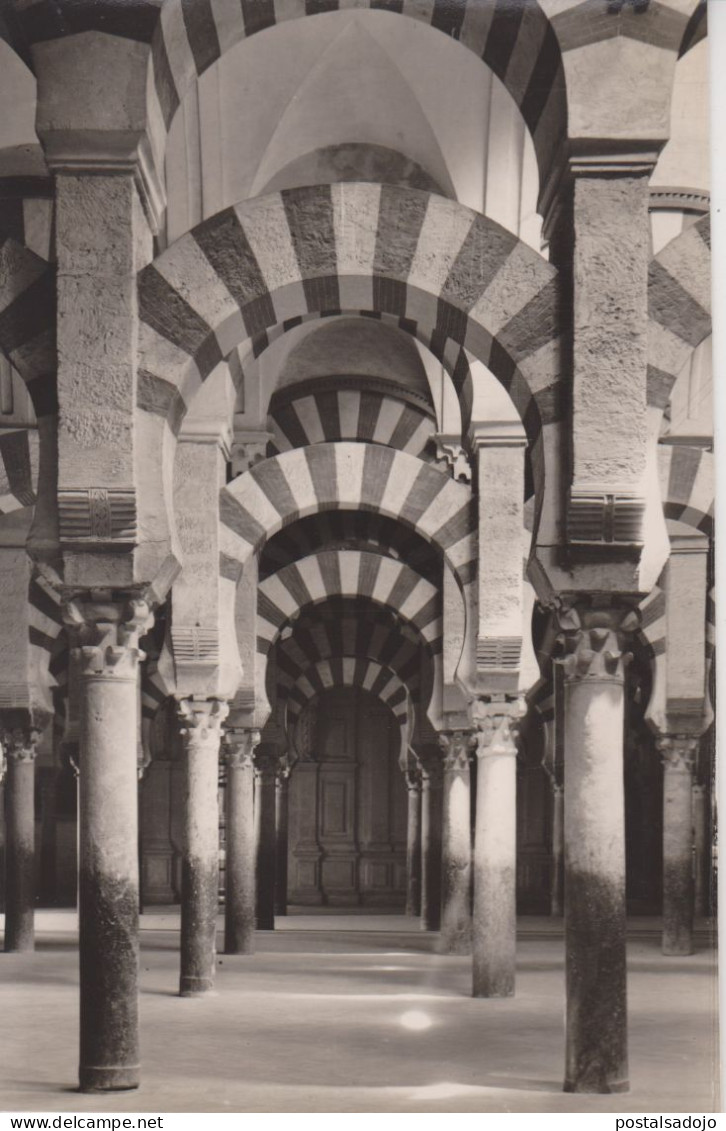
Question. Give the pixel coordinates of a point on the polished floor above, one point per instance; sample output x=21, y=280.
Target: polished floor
x=356, y=1013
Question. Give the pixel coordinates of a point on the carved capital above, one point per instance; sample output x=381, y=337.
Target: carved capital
x=284, y=769
x=239, y=747
x=497, y=720
x=678, y=752
x=19, y=743
x=267, y=764
x=248, y=449
x=594, y=641
x=456, y=746
x=201, y=722
x=106, y=633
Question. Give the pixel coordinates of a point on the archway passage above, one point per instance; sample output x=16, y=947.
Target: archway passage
x=347, y=832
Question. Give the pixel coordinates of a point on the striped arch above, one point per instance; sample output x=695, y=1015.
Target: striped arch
x=346, y=476
x=19, y=461
x=687, y=483
x=27, y=321
x=515, y=39
x=313, y=417
x=368, y=247
x=348, y=671
x=679, y=307
x=452, y=356
x=348, y=573
x=45, y=625
x=373, y=636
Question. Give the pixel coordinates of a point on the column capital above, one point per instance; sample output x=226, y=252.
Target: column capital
x=432, y=770
x=239, y=747
x=201, y=721
x=456, y=747
x=19, y=743
x=107, y=628
x=678, y=752
x=266, y=764
x=284, y=769
x=593, y=637
x=249, y=447
x=497, y=720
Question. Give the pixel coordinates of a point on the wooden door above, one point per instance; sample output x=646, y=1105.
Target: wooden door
x=348, y=807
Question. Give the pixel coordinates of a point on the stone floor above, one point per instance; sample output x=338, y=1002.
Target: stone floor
x=355, y=1013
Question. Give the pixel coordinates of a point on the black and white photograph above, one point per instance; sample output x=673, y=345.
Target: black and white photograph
x=357, y=567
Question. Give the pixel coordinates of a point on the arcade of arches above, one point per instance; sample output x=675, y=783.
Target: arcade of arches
x=356, y=524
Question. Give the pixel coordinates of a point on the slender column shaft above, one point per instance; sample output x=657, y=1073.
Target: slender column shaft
x=413, y=847
x=265, y=837
x=431, y=848
x=239, y=907
x=678, y=752
x=282, y=798
x=596, y=1036
x=495, y=851
x=201, y=728
x=456, y=846
x=107, y=632
x=20, y=846
x=700, y=891
x=557, y=890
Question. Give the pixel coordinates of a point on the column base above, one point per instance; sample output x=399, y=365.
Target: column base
x=192, y=986
x=677, y=948
x=499, y=989
x=240, y=947
x=19, y=945
x=455, y=944
x=606, y=1089
x=122, y=1078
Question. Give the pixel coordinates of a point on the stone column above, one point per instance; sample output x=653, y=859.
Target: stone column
x=431, y=782
x=678, y=752
x=107, y=630
x=282, y=797
x=494, y=942
x=239, y=906
x=700, y=855
x=557, y=890
x=413, y=843
x=596, y=1027
x=456, y=845
x=265, y=837
x=19, y=744
x=201, y=727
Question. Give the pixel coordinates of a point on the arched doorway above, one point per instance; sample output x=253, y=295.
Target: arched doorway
x=347, y=831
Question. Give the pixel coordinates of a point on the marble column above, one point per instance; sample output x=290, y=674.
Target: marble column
x=106, y=631
x=201, y=728
x=557, y=888
x=413, y=843
x=700, y=855
x=19, y=744
x=495, y=847
x=239, y=906
x=678, y=752
x=266, y=764
x=282, y=799
x=455, y=935
x=596, y=1025
x=431, y=785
